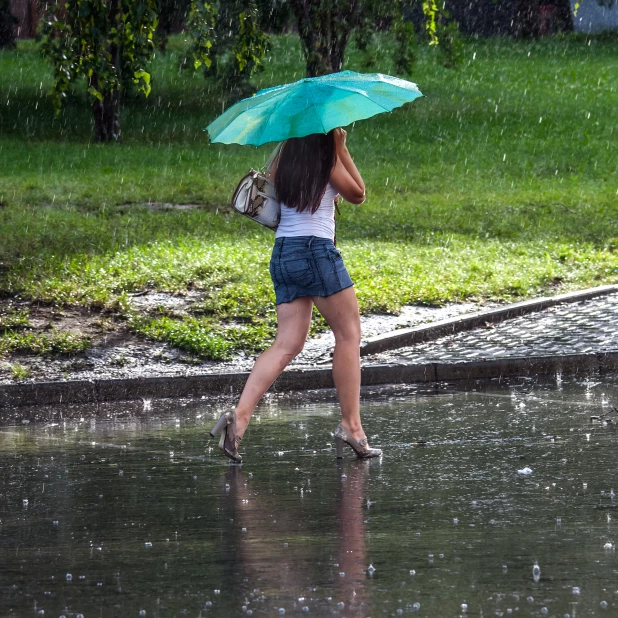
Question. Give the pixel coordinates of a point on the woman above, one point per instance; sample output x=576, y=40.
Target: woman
x=307, y=269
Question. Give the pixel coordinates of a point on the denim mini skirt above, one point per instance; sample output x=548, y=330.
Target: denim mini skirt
x=307, y=266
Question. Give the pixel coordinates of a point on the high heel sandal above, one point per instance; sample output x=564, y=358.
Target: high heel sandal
x=360, y=447
x=228, y=443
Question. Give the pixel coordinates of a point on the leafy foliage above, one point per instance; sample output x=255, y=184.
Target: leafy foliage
x=451, y=45
x=108, y=43
x=227, y=40
x=201, y=29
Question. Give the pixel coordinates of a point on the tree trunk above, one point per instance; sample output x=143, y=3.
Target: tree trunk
x=564, y=16
x=107, y=117
x=7, y=23
x=324, y=33
x=528, y=22
x=107, y=111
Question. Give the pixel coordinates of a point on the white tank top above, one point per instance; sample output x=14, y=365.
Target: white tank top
x=321, y=223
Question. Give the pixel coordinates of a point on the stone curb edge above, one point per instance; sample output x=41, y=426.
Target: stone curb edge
x=99, y=391
x=427, y=332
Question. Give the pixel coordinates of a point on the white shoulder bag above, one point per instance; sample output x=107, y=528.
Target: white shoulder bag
x=255, y=196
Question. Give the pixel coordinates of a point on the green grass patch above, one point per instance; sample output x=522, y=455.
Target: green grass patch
x=13, y=320
x=17, y=335
x=54, y=343
x=500, y=184
x=20, y=372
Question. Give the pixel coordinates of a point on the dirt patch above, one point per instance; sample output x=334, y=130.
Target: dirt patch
x=117, y=353
x=152, y=301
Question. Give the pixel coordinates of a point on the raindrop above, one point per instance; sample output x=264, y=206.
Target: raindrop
x=69, y=577
x=148, y=544
x=281, y=611
x=371, y=569
x=603, y=604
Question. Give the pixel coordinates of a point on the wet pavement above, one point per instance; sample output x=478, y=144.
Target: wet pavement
x=574, y=328
x=494, y=501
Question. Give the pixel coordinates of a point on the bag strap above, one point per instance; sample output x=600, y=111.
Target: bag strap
x=273, y=155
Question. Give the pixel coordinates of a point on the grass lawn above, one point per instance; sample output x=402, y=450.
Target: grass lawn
x=500, y=184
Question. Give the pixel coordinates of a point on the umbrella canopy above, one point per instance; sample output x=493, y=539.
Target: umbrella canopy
x=310, y=105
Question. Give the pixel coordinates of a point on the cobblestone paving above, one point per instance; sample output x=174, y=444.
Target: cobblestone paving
x=576, y=328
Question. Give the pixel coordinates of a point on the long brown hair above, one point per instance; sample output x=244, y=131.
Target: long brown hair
x=305, y=164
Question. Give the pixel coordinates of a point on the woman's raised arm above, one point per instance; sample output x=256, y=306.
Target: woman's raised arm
x=345, y=178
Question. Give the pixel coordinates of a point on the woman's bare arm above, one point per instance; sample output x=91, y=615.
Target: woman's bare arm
x=345, y=178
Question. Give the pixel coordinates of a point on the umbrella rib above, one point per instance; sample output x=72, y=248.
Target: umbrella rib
x=267, y=121
x=362, y=94
x=316, y=111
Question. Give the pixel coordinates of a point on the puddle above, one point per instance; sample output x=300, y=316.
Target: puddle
x=132, y=512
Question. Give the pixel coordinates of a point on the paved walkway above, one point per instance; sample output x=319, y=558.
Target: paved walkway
x=576, y=328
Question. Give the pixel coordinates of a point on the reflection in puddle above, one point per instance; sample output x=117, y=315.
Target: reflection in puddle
x=138, y=515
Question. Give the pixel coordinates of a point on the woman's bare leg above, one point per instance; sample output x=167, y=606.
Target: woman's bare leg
x=293, y=321
x=341, y=312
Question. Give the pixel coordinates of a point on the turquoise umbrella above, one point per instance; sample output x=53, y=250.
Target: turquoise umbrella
x=310, y=105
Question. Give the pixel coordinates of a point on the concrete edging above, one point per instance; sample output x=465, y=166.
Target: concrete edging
x=99, y=391
x=427, y=332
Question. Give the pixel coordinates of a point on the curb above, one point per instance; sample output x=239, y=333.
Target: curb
x=427, y=332
x=99, y=391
